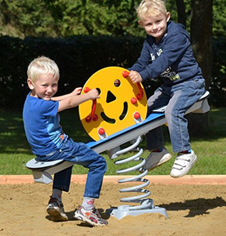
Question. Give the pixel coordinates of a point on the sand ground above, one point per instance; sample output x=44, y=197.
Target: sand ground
x=193, y=210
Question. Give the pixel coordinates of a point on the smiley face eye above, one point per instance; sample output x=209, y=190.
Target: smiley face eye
x=117, y=83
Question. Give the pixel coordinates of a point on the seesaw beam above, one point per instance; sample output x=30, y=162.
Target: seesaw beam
x=42, y=171
x=154, y=120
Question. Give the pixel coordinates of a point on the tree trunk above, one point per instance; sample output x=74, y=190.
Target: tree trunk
x=181, y=12
x=201, y=37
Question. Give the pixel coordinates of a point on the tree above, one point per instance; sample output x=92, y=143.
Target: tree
x=181, y=12
x=201, y=35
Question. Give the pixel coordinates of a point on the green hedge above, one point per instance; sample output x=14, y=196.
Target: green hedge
x=218, y=82
x=78, y=58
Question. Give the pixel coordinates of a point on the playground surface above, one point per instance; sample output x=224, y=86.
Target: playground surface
x=195, y=207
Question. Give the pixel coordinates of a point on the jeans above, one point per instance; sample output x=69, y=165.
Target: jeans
x=178, y=98
x=79, y=153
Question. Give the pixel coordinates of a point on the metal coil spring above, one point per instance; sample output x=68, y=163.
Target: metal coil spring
x=144, y=203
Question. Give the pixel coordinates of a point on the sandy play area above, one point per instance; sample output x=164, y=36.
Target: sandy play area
x=193, y=210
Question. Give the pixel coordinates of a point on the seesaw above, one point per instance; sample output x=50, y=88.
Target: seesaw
x=117, y=118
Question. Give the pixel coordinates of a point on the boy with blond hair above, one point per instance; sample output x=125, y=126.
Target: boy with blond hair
x=48, y=141
x=167, y=55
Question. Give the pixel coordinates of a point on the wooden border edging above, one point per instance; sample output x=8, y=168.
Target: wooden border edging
x=154, y=179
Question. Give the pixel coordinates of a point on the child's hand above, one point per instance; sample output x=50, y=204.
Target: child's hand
x=135, y=77
x=77, y=91
x=93, y=93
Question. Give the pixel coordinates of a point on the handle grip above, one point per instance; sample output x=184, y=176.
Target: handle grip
x=92, y=115
x=140, y=95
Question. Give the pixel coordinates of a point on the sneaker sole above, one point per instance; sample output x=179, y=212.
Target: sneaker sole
x=179, y=176
x=168, y=157
x=82, y=218
x=56, y=215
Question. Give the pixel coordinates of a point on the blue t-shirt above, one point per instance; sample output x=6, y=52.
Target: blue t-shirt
x=171, y=59
x=42, y=125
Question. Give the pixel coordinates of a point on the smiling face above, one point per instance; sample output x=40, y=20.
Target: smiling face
x=45, y=86
x=43, y=76
x=155, y=25
x=115, y=109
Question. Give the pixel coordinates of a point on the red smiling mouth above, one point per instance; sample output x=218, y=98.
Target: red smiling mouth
x=121, y=117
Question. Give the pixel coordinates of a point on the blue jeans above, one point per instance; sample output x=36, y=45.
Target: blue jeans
x=79, y=153
x=178, y=98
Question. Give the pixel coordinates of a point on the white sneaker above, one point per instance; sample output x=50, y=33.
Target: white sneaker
x=183, y=164
x=91, y=217
x=156, y=159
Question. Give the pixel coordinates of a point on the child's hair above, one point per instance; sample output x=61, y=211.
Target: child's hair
x=151, y=8
x=42, y=65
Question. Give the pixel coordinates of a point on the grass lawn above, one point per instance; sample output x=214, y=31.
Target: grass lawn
x=15, y=151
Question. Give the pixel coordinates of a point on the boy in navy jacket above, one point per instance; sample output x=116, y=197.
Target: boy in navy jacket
x=167, y=54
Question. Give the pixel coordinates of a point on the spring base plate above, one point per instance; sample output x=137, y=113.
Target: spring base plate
x=124, y=210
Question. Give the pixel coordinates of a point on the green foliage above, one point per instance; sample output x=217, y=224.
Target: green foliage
x=218, y=83
x=219, y=21
x=60, y=18
x=64, y=18
x=26, y=18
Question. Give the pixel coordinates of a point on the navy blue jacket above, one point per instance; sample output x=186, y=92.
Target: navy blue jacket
x=171, y=59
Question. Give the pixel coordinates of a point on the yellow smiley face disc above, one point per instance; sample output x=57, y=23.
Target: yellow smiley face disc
x=121, y=103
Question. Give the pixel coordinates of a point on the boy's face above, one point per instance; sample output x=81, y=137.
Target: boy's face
x=155, y=26
x=44, y=87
